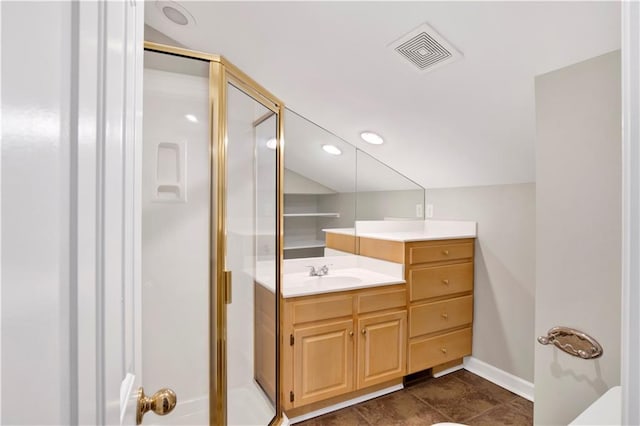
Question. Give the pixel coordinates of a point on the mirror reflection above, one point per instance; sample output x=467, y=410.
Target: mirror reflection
x=329, y=184
x=384, y=194
x=319, y=186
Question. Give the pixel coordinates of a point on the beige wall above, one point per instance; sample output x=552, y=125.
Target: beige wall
x=578, y=231
x=378, y=205
x=505, y=269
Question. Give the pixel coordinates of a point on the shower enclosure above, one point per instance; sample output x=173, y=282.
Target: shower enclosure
x=211, y=238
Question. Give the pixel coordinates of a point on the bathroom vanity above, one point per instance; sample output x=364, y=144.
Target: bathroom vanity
x=362, y=330
x=439, y=276
x=341, y=342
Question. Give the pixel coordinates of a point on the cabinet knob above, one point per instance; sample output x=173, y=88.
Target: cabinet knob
x=364, y=331
x=444, y=350
x=445, y=315
x=351, y=333
x=445, y=281
x=445, y=252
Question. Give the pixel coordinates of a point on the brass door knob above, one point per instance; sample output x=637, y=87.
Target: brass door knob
x=161, y=403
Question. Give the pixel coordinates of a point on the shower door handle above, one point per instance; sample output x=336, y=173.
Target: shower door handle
x=227, y=287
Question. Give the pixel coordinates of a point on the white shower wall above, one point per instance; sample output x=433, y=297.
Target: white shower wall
x=175, y=242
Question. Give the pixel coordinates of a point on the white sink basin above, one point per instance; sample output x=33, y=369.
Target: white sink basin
x=333, y=280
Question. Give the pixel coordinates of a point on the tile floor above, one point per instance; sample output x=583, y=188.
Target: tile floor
x=460, y=397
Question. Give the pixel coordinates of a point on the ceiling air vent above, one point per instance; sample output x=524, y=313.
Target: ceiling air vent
x=425, y=49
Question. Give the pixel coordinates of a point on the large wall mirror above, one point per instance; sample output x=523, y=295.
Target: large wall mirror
x=385, y=194
x=329, y=184
x=319, y=186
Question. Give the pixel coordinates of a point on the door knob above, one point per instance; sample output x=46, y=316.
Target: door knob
x=161, y=403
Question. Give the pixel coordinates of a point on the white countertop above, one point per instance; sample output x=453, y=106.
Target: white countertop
x=301, y=284
x=410, y=230
x=413, y=236
x=350, y=272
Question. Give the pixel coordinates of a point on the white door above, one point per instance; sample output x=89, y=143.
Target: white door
x=578, y=232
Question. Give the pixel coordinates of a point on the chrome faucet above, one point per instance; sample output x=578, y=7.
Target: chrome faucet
x=323, y=270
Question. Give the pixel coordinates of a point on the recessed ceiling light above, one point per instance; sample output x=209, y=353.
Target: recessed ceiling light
x=272, y=143
x=175, y=12
x=192, y=118
x=332, y=149
x=175, y=15
x=372, y=138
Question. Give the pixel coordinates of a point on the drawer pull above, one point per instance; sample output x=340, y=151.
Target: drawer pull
x=444, y=350
x=445, y=315
x=445, y=282
x=364, y=331
x=445, y=252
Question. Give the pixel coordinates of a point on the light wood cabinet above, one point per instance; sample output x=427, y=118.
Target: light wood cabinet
x=264, y=347
x=439, y=275
x=440, y=349
x=427, y=318
x=341, y=345
x=343, y=342
x=323, y=361
x=381, y=348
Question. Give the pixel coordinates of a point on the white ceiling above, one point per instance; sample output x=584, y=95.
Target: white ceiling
x=467, y=123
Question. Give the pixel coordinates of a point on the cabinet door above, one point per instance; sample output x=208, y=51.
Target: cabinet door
x=322, y=362
x=381, y=348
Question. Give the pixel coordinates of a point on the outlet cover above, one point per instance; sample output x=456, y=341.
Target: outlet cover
x=429, y=210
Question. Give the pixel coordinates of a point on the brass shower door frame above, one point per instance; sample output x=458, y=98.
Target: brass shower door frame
x=221, y=73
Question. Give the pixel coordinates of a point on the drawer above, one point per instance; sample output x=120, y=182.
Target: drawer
x=379, y=300
x=425, y=283
x=321, y=308
x=437, y=316
x=427, y=353
x=441, y=252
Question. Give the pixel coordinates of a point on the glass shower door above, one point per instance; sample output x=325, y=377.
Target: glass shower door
x=251, y=256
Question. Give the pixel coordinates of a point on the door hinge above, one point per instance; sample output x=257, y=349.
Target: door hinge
x=291, y=396
x=292, y=340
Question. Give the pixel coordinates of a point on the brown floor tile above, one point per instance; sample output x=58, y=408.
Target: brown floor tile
x=346, y=417
x=503, y=415
x=454, y=398
x=483, y=385
x=523, y=405
x=459, y=397
x=399, y=408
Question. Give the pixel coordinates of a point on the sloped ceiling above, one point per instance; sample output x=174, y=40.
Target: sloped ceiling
x=468, y=123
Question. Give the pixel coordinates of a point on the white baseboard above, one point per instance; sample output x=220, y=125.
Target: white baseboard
x=500, y=377
x=343, y=404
